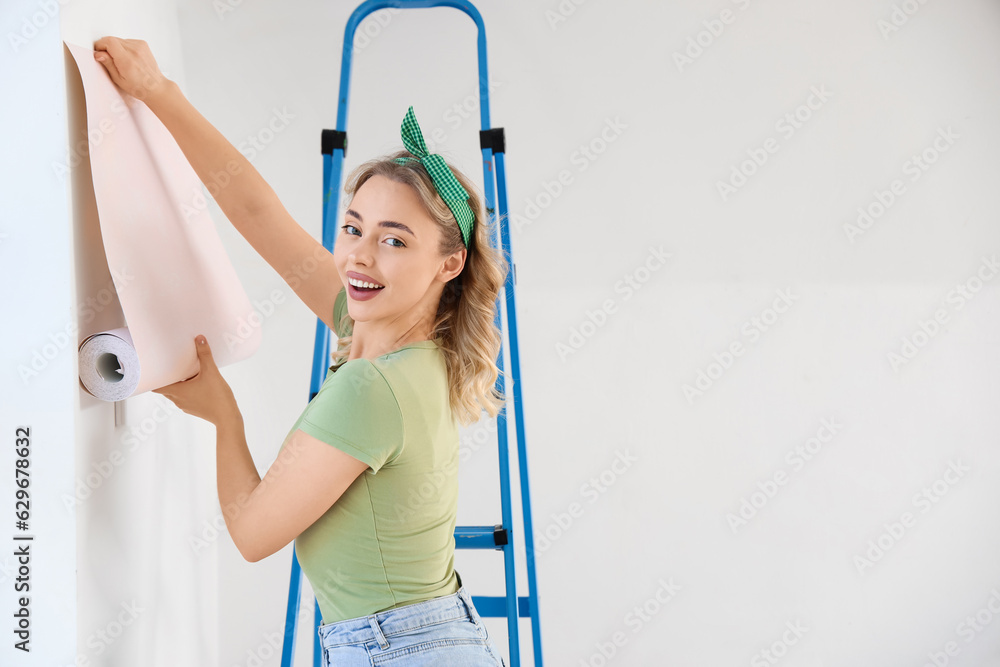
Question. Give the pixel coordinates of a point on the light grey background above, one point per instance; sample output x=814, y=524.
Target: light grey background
x=608, y=77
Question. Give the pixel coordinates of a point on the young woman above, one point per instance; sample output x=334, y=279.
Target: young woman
x=366, y=479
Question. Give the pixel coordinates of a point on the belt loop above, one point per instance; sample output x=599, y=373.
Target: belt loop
x=382, y=641
x=470, y=608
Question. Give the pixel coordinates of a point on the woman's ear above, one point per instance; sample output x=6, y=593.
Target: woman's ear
x=453, y=265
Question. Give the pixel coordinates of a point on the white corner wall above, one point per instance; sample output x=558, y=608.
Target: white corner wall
x=38, y=392
x=145, y=487
x=121, y=575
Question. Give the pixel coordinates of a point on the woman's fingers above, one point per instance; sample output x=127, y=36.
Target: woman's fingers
x=110, y=52
x=130, y=64
x=102, y=43
x=109, y=64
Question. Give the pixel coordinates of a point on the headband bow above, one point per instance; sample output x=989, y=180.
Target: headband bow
x=451, y=191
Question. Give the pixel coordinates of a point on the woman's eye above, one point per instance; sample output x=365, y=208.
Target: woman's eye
x=347, y=227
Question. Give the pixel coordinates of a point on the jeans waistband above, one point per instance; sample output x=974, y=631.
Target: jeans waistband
x=456, y=606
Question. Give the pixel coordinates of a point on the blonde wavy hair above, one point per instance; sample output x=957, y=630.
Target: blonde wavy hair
x=464, y=322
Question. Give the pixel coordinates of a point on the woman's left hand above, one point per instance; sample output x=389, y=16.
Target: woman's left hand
x=206, y=395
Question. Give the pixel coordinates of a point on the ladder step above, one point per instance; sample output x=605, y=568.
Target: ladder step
x=480, y=537
x=495, y=606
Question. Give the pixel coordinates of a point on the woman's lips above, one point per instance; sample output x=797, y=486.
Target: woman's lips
x=362, y=294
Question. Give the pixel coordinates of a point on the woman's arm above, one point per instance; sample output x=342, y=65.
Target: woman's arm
x=307, y=478
x=249, y=203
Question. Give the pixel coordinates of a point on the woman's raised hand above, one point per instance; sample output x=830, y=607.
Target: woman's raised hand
x=131, y=66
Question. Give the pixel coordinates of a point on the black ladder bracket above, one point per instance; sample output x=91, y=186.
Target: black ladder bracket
x=482, y=537
x=493, y=139
x=332, y=140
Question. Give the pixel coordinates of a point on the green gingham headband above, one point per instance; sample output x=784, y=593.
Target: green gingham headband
x=451, y=191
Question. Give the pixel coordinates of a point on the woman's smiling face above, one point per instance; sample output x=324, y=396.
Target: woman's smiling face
x=388, y=236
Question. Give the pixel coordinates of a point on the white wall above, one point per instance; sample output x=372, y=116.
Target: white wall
x=37, y=366
x=659, y=517
x=655, y=186
x=146, y=588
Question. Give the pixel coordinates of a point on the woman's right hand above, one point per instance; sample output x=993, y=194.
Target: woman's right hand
x=131, y=66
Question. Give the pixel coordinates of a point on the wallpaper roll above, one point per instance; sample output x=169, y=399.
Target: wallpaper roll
x=169, y=267
x=109, y=365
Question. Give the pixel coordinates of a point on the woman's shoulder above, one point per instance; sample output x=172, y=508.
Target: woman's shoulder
x=357, y=375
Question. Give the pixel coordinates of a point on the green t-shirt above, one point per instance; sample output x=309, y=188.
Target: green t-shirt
x=389, y=540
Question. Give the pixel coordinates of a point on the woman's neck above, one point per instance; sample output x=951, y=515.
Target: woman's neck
x=369, y=345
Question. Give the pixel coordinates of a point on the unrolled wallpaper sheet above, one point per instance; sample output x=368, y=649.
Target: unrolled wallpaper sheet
x=170, y=269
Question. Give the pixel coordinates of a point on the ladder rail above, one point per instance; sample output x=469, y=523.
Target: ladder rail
x=515, y=363
x=503, y=449
x=366, y=8
x=294, y=593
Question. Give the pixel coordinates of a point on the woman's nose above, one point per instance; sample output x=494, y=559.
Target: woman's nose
x=361, y=251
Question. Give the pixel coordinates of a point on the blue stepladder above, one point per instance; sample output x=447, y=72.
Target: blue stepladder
x=500, y=536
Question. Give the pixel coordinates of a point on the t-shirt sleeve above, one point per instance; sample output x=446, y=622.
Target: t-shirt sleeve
x=357, y=413
x=341, y=327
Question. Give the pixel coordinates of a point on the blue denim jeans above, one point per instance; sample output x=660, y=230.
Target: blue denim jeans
x=443, y=631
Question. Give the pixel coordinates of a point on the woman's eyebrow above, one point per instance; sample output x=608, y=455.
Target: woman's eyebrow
x=384, y=223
